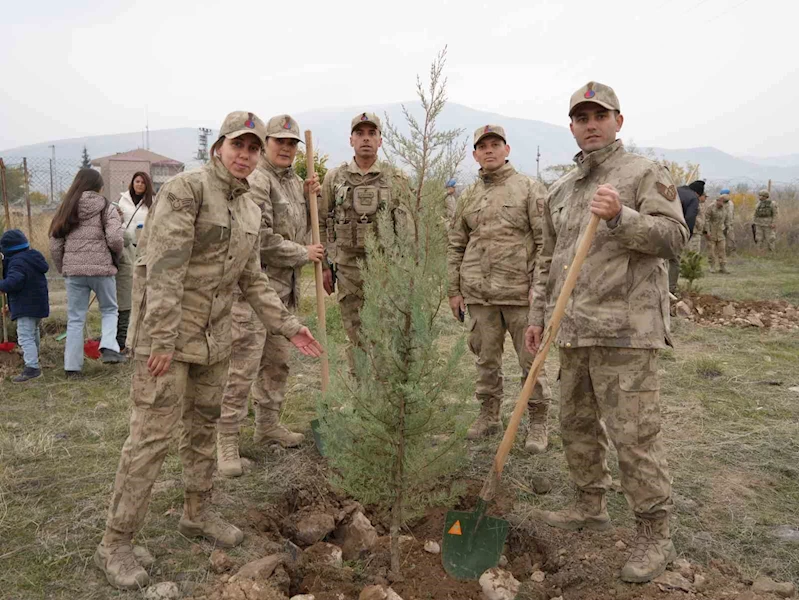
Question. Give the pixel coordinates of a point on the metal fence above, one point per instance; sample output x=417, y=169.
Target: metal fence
x=42, y=179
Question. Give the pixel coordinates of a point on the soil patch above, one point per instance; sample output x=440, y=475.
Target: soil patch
x=712, y=310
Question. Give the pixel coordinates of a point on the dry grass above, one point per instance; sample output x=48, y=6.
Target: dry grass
x=732, y=444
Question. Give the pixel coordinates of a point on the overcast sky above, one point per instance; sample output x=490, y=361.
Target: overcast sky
x=688, y=73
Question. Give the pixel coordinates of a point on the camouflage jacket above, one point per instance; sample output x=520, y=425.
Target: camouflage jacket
x=284, y=227
x=621, y=298
x=495, y=238
x=765, y=212
x=341, y=229
x=717, y=222
x=200, y=243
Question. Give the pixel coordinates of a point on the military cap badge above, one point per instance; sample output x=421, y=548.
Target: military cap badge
x=488, y=129
x=287, y=123
x=364, y=117
x=249, y=123
x=590, y=93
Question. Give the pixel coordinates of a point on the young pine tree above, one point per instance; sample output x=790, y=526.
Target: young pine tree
x=401, y=433
x=86, y=161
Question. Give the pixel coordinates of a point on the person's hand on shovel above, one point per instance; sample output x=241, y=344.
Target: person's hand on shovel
x=605, y=203
x=532, y=339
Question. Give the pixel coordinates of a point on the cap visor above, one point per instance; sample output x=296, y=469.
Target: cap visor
x=241, y=132
x=372, y=123
x=287, y=135
x=489, y=134
x=602, y=104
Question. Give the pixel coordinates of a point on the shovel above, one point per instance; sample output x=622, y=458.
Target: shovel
x=5, y=346
x=473, y=542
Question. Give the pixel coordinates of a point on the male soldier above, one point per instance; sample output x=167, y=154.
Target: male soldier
x=451, y=201
x=729, y=234
x=765, y=221
x=352, y=196
x=613, y=327
x=493, y=245
x=717, y=224
x=695, y=242
x=278, y=191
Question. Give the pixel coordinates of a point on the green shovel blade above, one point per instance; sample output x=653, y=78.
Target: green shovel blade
x=317, y=437
x=473, y=543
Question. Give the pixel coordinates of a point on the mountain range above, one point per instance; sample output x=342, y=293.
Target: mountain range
x=331, y=137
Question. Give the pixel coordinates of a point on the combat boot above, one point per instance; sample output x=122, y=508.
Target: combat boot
x=536, y=442
x=487, y=422
x=227, y=454
x=115, y=556
x=652, y=550
x=268, y=429
x=589, y=511
x=199, y=520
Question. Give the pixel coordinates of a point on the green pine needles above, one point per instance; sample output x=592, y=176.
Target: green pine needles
x=400, y=437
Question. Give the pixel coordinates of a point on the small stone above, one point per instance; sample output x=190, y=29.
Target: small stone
x=432, y=547
x=225, y=578
x=755, y=320
x=766, y=585
x=246, y=464
x=314, y=528
x=785, y=533
x=503, y=561
x=292, y=552
x=220, y=562
x=670, y=580
x=166, y=590
x=378, y=592
x=356, y=537
x=322, y=553
x=683, y=309
x=684, y=568
x=13, y=426
x=541, y=485
x=700, y=582
x=498, y=585
x=259, y=569
x=303, y=597
x=101, y=406
x=538, y=576
x=621, y=545
x=728, y=310
x=61, y=436
x=794, y=389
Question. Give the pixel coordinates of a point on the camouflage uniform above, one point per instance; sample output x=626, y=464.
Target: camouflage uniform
x=200, y=243
x=348, y=211
x=717, y=224
x=729, y=234
x=765, y=221
x=493, y=244
x=256, y=353
x=695, y=242
x=614, y=324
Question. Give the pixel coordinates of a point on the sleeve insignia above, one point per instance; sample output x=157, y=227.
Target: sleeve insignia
x=669, y=192
x=179, y=203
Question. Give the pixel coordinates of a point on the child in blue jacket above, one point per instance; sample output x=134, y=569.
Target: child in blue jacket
x=25, y=286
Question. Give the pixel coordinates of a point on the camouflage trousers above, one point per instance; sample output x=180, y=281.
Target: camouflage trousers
x=488, y=326
x=695, y=243
x=765, y=235
x=350, y=300
x=674, y=273
x=614, y=393
x=717, y=253
x=257, y=357
x=187, y=395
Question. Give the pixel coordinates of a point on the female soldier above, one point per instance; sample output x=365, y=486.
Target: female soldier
x=284, y=229
x=200, y=242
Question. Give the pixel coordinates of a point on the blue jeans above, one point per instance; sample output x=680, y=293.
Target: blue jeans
x=78, y=289
x=28, y=338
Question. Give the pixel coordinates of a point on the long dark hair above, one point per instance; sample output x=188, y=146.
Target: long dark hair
x=66, y=217
x=148, y=189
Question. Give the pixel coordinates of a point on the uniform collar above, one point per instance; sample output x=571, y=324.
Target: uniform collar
x=231, y=185
x=354, y=168
x=499, y=175
x=280, y=172
x=588, y=162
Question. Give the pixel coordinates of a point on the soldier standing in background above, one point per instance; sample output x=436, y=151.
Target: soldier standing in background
x=353, y=194
x=765, y=221
x=200, y=244
x=609, y=353
x=695, y=243
x=451, y=201
x=717, y=224
x=729, y=233
x=260, y=356
x=493, y=244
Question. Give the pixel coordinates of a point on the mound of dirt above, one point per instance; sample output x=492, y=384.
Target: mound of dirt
x=712, y=310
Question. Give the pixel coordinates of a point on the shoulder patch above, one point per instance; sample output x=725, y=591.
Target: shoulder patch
x=540, y=205
x=179, y=203
x=669, y=192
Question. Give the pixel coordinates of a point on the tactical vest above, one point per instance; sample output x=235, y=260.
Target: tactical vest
x=764, y=210
x=355, y=212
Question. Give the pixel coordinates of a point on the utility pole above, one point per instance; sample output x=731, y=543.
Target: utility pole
x=147, y=126
x=54, y=175
x=769, y=187
x=538, y=163
x=202, y=144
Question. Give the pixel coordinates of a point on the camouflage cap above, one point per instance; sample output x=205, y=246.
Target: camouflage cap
x=240, y=122
x=598, y=94
x=366, y=117
x=486, y=130
x=764, y=194
x=283, y=126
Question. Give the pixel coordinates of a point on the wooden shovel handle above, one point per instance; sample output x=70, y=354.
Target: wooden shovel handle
x=320, y=288
x=489, y=488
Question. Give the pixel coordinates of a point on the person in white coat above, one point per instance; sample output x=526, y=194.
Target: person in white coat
x=133, y=206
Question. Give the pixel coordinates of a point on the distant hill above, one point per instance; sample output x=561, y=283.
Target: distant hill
x=331, y=135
